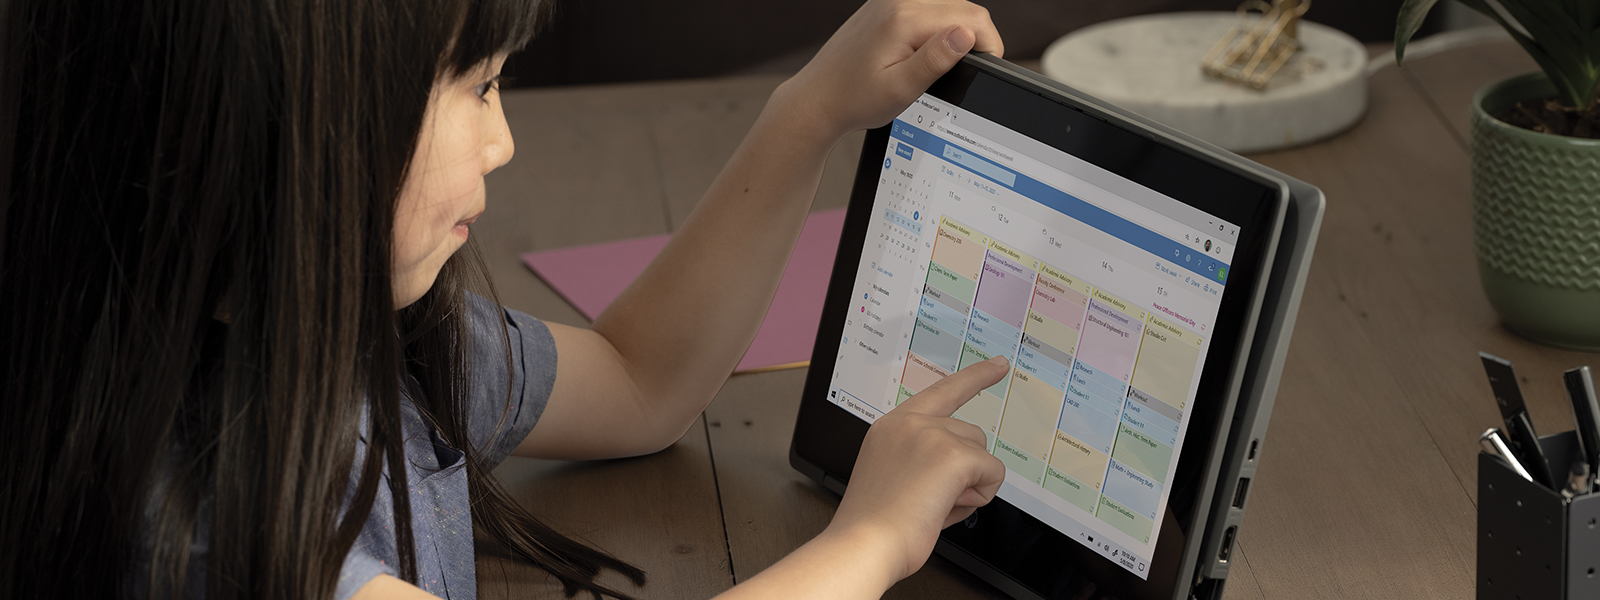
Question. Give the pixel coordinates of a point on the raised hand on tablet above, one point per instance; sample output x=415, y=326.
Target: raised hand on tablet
x=883, y=57
x=921, y=470
x=624, y=387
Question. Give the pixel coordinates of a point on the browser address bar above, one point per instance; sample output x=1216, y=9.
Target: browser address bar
x=1066, y=182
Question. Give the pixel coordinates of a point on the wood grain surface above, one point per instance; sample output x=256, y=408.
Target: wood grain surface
x=1368, y=477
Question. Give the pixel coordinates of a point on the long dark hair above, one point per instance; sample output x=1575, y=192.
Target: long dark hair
x=197, y=203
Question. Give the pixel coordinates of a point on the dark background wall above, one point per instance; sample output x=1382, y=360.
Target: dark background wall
x=599, y=41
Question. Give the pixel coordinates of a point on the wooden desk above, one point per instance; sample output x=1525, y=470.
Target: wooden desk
x=1368, y=481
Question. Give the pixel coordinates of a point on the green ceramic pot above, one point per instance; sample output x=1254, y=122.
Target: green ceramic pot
x=1536, y=221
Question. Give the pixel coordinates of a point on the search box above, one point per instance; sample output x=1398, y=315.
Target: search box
x=965, y=159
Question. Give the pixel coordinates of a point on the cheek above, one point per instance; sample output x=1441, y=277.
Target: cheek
x=435, y=199
x=449, y=184
x=445, y=186
x=411, y=230
x=427, y=213
x=458, y=193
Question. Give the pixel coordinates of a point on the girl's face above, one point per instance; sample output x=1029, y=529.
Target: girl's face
x=464, y=137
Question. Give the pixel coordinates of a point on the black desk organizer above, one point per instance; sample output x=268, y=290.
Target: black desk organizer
x=1532, y=542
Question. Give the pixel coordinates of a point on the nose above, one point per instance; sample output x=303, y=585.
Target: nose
x=498, y=145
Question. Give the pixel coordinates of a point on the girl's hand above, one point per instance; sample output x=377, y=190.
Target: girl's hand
x=881, y=59
x=921, y=471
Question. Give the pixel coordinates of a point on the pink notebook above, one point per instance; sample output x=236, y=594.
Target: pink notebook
x=590, y=277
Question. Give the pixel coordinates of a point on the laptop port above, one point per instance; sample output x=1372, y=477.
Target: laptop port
x=1227, y=543
x=1240, y=491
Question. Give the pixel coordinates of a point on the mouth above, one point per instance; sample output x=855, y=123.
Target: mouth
x=461, y=227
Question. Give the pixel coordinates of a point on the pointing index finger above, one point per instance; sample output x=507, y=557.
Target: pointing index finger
x=948, y=394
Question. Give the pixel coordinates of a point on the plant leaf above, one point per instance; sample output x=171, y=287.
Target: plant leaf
x=1563, y=79
x=1488, y=11
x=1548, y=23
x=1588, y=13
x=1406, y=24
x=1561, y=46
x=1592, y=50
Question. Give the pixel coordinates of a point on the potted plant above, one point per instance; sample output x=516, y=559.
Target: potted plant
x=1536, y=170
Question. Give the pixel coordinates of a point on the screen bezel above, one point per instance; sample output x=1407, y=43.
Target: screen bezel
x=828, y=437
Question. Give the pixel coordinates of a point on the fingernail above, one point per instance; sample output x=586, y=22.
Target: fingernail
x=999, y=360
x=959, y=41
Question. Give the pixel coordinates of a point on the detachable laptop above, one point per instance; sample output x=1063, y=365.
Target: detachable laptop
x=1143, y=284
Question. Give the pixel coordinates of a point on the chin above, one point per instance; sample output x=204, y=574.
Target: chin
x=412, y=293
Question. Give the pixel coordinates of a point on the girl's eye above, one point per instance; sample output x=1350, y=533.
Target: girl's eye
x=483, y=89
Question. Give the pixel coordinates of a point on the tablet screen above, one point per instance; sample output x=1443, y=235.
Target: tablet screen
x=1101, y=292
x=1120, y=271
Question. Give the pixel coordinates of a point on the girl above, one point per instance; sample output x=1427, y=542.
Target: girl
x=239, y=357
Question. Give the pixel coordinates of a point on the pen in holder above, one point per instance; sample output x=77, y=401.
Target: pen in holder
x=1533, y=542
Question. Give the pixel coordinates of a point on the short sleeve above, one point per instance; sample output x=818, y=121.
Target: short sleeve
x=359, y=569
x=496, y=428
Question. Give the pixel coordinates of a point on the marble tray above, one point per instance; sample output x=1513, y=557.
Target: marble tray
x=1151, y=65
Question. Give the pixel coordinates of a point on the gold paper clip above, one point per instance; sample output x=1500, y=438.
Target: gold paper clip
x=1253, y=51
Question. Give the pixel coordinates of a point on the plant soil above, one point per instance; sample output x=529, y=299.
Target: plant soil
x=1549, y=116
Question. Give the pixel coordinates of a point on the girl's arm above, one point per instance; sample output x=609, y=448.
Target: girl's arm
x=389, y=587
x=919, y=472
x=652, y=362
